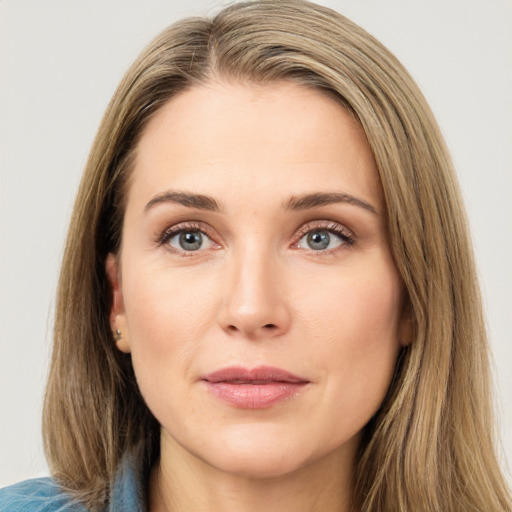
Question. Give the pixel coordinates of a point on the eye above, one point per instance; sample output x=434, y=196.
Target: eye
x=319, y=240
x=325, y=238
x=189, y=240
x=186, y=238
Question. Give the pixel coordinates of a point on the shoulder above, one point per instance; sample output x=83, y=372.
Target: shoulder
x=38, y=495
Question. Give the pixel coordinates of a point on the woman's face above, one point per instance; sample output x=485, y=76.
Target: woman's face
x=255, y=288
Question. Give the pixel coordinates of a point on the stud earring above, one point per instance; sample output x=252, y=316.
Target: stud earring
x=117, y=335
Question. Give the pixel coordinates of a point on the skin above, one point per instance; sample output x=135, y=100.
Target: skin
x=256, y=293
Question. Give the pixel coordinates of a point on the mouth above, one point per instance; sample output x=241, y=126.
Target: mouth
x=256, y=388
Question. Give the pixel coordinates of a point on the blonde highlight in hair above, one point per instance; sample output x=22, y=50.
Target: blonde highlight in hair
x=431, y=445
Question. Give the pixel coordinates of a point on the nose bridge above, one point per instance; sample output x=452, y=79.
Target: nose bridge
x=255, y=302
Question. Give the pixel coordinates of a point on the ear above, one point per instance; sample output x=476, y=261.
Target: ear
x=117, y=317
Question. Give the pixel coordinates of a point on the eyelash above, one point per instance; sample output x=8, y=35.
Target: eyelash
x=343, y=233
x=183, y=227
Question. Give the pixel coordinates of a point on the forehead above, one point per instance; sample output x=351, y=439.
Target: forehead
x=281, y=137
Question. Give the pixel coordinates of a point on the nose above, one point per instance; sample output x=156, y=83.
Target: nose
x=255, y=303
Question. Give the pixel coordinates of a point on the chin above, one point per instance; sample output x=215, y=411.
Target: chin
x=257, y=464
x=264, y=453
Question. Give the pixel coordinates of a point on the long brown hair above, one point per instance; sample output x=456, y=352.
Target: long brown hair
x=431, y=445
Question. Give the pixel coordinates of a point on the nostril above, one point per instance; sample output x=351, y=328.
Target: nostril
x=268, y=327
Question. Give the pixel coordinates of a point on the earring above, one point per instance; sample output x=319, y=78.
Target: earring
x=117, y=335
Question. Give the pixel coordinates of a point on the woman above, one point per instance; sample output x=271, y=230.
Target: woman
x=268, y=297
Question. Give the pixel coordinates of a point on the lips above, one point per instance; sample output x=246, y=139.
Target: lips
x=255, y=388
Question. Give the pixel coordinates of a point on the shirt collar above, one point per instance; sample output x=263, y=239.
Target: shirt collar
x=128, y=492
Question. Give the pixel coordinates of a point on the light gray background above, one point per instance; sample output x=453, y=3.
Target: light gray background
x=60, y=62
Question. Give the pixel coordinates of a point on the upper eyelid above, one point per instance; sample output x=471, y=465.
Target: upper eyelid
x=328, y=225
x=173, y=230
x=188, y=225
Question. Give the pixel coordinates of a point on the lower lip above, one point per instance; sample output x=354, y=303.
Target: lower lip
x=255, y=396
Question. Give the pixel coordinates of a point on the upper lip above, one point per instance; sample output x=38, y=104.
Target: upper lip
x=260, y=374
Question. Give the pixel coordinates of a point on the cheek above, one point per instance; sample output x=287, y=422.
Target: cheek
x=361, y=308
x=355, y=325
x=159, y=302
x=166, y=319
x=167, y=316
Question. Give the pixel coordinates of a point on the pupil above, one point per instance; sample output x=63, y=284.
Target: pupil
x=319, y=240
x=190, y=241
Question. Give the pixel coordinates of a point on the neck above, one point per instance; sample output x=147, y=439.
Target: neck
x=182, y=482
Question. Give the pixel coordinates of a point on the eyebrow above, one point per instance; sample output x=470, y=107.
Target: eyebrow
x=198, y=201
x=308, y=201
x=303, y=202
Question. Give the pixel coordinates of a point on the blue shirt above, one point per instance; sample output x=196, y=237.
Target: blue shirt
x=45, y=495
